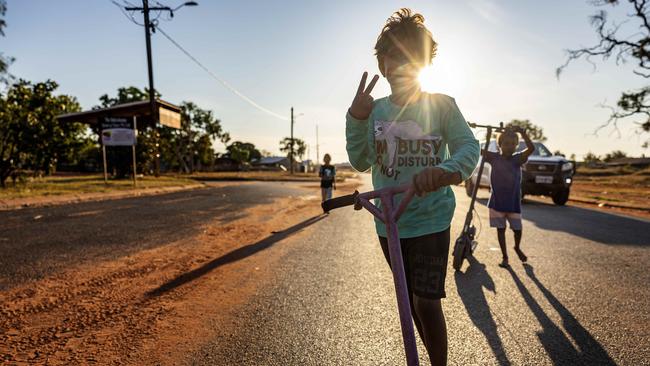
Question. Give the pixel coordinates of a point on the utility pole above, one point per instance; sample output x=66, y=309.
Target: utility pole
x=317, y=152
x=152, y=91
x=291, y=144
x=148, y=28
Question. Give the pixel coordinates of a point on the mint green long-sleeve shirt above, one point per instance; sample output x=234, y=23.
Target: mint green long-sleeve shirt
x=396, y=143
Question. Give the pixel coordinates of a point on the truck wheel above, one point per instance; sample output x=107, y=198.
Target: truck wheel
x=469, y=187
x=561, y=197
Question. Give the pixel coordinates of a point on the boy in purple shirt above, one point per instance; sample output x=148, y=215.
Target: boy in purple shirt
x=505, y=181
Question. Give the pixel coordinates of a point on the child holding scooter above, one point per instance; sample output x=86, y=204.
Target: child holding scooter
x=505, y=181
x=412, y=136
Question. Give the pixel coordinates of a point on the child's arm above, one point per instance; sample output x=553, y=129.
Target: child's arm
x=463, y=146
x=356, y=126
x=530, y=147
x=464, y=150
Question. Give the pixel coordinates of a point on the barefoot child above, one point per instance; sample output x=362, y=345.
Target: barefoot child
x=505, y=181
x=327, y=174
x=412, y=136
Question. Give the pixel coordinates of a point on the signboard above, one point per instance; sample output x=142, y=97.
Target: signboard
x=169, y=118
x=118, y=131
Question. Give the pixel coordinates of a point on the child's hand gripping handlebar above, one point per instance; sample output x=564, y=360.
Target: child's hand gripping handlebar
x=444, y=179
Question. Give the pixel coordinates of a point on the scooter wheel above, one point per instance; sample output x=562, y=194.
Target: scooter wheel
x=459, y=254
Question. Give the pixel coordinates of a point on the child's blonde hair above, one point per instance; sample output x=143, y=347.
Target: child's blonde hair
x=405, y=36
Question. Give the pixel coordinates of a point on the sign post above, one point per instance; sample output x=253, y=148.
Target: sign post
x=135, y=138
x=119, y=131
x=104, y=156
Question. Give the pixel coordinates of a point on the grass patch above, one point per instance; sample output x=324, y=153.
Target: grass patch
x=75, y=184
x=600, y=198
x=55, y=186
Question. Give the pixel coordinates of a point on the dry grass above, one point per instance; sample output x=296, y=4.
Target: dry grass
x=63, y=185
x=620, y=186
x=76, y=184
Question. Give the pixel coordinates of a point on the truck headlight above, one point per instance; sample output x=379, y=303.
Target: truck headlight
x=567, y=166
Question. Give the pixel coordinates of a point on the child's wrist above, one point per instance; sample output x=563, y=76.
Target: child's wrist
x=355, y=116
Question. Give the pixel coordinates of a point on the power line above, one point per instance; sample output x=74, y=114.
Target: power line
x=128, y=16
x=220, y=80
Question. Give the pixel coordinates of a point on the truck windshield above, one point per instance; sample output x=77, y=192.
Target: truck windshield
x=540, y=149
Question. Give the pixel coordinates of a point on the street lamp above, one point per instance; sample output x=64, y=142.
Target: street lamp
x=187, y=3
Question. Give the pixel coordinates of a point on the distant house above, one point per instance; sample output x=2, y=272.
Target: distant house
x=307, y=166
x=272, y=163
x=227, y=164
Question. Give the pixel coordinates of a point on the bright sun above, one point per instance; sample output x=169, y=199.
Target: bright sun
x=443, y=77
x=427, y=79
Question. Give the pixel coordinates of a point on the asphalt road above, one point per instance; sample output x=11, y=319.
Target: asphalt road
x=584, y=299
x=36, y=242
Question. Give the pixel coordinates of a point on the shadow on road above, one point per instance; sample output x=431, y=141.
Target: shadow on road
x=470, y=289
x=558, y=347
x=592, y=352
x=233, y=256
x=592, y=225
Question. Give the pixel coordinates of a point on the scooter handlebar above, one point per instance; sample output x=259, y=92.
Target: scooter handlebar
x=347, y=200
x=494, y=128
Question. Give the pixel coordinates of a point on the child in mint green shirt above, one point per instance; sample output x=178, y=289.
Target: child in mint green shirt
x=412, y=136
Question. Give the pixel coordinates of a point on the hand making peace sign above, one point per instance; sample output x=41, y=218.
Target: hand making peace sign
x=362, y=103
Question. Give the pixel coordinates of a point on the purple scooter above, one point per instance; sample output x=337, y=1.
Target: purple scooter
x=389, y=216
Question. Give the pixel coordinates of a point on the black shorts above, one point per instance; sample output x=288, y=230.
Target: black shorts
x=326, y=183
x=425, y=263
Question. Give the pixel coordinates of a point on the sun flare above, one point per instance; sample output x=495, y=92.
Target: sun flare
x=427, y=79
x=443, y=77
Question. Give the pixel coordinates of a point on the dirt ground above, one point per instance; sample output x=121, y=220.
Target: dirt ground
x=620, y=193
x=155, y=306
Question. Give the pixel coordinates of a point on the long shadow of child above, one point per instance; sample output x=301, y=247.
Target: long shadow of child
x=470, y=289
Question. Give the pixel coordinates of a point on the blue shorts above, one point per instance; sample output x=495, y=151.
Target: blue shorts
x=498, y=219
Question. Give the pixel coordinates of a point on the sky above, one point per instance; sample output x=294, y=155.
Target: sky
x=496, y=58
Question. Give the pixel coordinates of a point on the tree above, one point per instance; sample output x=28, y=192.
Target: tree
x=616, y=154
x=634, y=46
x=125, y=95
x=533, y=131
x=558, y=153
x=31, y=138
x=299, y=147
x=243, y=151
x=190, y=147
x=4, y=60
x=591, y=158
